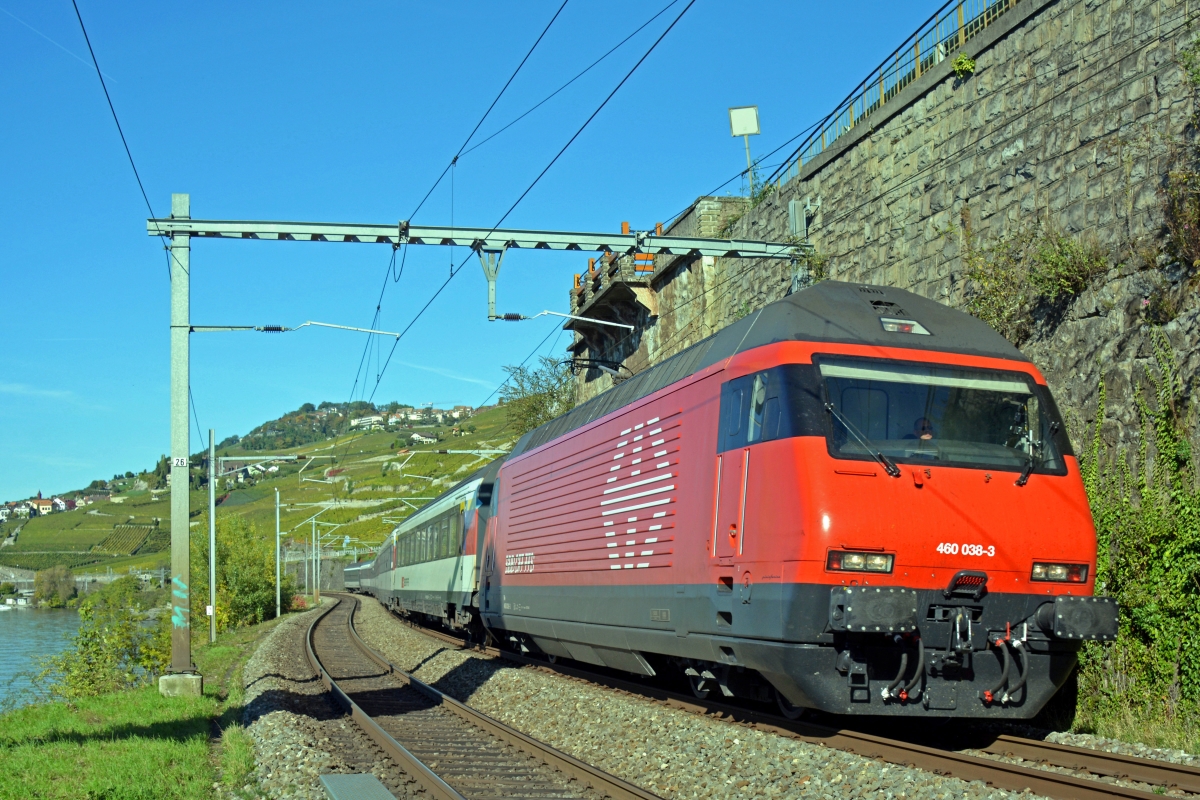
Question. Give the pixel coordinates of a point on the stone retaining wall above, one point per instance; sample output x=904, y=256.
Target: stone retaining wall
x=1065, y=120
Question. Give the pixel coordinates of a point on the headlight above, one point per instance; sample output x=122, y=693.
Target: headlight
x=845, y=560
x=1062, y=573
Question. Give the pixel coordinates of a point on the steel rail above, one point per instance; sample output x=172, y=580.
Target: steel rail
x=409, y=763
x=586, y=774
x=1000, y=774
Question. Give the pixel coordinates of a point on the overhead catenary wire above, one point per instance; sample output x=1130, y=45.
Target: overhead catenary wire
x=534, y=183
x=391, y=272
x=503, y=383
x=578, y=75
x=731, y=277
x=195, y=416
x=120, y=131
x=503, y=89
x=1005, y=140
x=599, y=108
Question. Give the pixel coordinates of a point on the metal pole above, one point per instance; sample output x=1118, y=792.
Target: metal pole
x=212, y=535
x=277, y=552
x=316, y=578
x=181, y=605
x=749, y=165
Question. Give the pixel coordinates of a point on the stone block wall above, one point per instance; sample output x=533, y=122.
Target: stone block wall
x=1067, y=119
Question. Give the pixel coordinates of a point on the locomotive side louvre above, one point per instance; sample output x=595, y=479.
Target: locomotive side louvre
x=610, y=506
x=864, y=481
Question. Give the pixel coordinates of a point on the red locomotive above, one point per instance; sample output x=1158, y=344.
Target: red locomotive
x=855, y=499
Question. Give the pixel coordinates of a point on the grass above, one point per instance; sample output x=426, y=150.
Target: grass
x=137, y=744
x=1180, y=732
x=130, y=745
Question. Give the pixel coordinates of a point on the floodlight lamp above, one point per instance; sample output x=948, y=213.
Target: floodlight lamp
x=743, y=121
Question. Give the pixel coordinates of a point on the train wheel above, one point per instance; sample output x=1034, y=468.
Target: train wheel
x=696, y=682
x=552, y=659
x=787, y=709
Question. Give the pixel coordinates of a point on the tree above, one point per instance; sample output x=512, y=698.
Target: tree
x=161, y=470
x=129, y=475
x=114, y=648
x=307, y=408
x=245, y=573
x=535, y=396
x=8, y=588
x=54, y=586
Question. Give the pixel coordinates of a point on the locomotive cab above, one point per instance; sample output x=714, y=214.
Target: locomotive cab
x=859, y=496
x=922, y=518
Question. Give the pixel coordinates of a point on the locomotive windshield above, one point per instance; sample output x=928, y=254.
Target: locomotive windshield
x=918, y=413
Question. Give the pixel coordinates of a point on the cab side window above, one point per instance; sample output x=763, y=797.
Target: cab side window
x=777, y=403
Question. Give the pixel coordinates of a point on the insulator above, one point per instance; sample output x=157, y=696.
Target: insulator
x=272, y=329
x=512, y=318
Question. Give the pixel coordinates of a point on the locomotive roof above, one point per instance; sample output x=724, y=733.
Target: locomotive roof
x=829, y=311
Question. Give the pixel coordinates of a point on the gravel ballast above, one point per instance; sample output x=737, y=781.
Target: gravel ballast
x=668, y=751
x=298, y=731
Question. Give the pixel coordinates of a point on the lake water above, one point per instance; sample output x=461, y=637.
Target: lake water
x=27, y=634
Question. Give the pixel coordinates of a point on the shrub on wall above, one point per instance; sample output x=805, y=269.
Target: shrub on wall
x=1147, y=517
x=1032, y=268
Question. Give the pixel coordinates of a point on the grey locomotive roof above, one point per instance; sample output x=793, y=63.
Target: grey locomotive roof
x=830, y=311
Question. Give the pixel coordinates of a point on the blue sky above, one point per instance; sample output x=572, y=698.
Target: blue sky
x=313, y=111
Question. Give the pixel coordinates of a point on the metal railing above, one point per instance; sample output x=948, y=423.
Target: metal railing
x=938, y=39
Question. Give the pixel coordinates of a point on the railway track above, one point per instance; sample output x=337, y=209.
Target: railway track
x=451, y=750
x=1086, y=772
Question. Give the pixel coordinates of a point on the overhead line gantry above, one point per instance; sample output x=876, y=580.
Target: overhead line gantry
x=489, y=243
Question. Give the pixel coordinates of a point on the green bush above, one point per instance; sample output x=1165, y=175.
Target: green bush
x=245, y=575
x=1148, y=530
x=1034, y=267
x=8, y=588
x=118, y=645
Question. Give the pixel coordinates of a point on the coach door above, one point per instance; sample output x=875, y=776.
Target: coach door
x=730, y=512
x=747, y=410
x=740, y=426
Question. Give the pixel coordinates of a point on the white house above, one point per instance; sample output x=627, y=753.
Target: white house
x=419, y=439
x=367, y=423
x=59, y=504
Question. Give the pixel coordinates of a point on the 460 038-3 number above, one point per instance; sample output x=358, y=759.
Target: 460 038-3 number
x=954, y=548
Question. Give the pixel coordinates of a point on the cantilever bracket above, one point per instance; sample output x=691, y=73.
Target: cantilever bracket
x=490, y=261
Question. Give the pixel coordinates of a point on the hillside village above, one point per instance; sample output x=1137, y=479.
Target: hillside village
x=361, y=463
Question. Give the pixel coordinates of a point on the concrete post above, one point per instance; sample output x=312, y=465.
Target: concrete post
x=183, y=679
x=212, y=536
x=277, y=552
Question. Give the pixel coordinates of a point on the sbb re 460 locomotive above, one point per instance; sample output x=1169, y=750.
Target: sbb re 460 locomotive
x=854, y=499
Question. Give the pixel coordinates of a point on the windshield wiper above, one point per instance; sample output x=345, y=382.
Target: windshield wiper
x=1033, y=463
x=888, y=465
